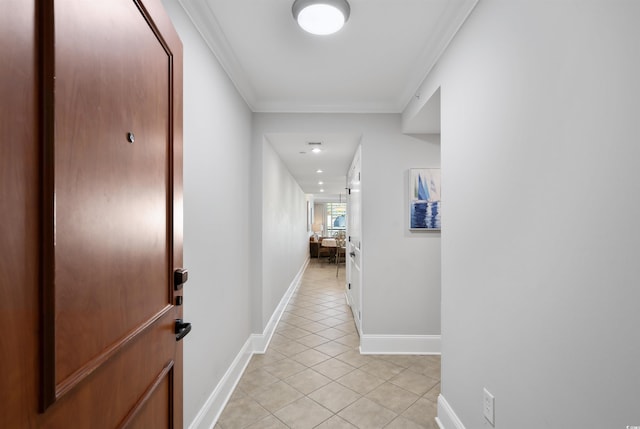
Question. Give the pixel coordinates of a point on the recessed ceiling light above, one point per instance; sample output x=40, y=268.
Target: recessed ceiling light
x=321, y=190
x=318, y=171
x=321, y=183
x=321, y=17
x=316, y=150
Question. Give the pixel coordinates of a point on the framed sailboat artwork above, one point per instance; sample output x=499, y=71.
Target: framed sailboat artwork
x=424, y=199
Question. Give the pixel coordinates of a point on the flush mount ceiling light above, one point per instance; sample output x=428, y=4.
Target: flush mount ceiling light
x=321, y=17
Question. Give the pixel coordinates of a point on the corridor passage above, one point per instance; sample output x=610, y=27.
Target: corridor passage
x=313, y=376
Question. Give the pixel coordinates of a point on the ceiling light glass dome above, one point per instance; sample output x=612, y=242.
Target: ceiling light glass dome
x=321, y=17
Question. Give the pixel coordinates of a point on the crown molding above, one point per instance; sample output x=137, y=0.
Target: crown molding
x=205, y=21
x=283, y=106
x=207, y=25
x=450, y=23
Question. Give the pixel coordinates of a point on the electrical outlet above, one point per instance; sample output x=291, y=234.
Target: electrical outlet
x=488, y=402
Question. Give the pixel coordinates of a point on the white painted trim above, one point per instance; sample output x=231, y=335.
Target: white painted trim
x=212, y=408
x=255, y=344
x=400, y=344
x=447, y=418
x=442, y=46
x=349, y=299
x=261, y=341
x=206, y=23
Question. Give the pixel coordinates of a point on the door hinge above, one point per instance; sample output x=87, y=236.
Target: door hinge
x=359, y=315
x=349, y=191
x=349, y=286
x=349, y=239
x=358, y=176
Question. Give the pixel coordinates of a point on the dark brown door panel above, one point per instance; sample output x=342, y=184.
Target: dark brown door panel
x=91, y=169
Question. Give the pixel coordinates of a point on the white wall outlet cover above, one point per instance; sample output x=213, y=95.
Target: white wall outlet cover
x=488, y=402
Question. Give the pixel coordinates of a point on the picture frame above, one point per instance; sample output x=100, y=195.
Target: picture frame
x=424, y=199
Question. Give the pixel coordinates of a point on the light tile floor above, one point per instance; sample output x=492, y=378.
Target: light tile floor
x=313, y=376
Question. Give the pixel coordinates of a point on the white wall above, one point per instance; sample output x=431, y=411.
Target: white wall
x=285, y=240
x=401, y=287
x=400, y=268
x=217, y=125
x=540, y=107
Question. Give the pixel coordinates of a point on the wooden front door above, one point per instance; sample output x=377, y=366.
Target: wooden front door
x=96, y=215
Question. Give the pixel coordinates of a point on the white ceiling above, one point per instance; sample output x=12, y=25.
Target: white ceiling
x=334, y=160
x=373, y=65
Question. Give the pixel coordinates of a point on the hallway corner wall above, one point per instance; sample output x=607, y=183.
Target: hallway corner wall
x=401, y=268
x=540, y=107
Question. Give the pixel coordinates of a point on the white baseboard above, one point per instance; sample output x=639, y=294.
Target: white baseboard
x=447, y=418
x=400, y=344
x=261, y=341
x=212, y=408
x=255, y=344
x=348, y=298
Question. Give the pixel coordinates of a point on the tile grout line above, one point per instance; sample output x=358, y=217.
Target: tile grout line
x=342, y=384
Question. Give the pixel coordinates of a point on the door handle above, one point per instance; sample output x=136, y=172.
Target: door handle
x=180, y=277
x=182, y=329
x=352, y=254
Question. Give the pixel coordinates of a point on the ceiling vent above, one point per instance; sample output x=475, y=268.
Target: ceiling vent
x=316, y=147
